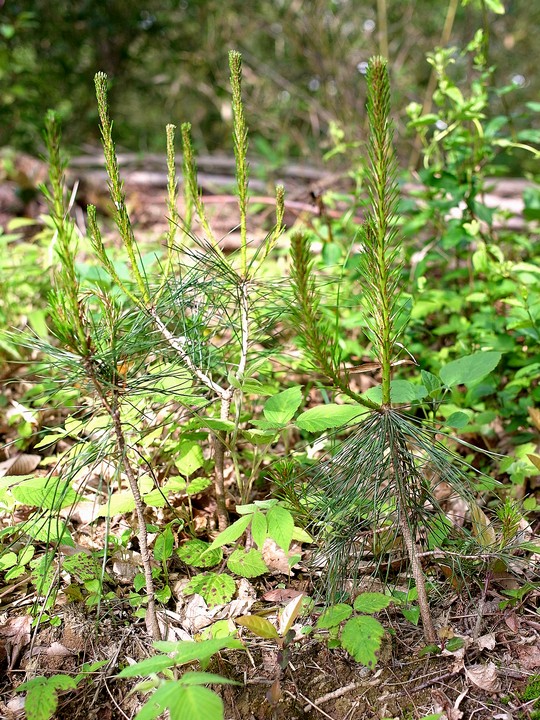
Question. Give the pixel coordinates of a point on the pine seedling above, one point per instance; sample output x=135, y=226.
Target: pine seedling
x=375, y=483
x=90, y=343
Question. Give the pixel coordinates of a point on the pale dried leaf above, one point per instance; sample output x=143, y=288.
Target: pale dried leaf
x=15, y=636
x=289, y=614
x=281, y=595
x=484, y=677
x=442, y=704
x=512, y=621
x=486, y=642
x=529, y=656
x=58, y=650
x=276, y=559
x=22, y=464
x=534, y=414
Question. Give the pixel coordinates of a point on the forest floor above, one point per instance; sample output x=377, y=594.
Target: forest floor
x=495, y=674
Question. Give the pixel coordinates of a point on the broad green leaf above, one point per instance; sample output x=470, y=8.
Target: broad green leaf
x=372, y=602
x=469, y=369
x=50, y=529
x=280, y=409
x=50, y=493
x=259, y=626
x=457, y=420
x=412, y=614
x=454, y=643
x=188, y=457
x=118, y=504
x=214, y=588
x=247, y=563
x=148, y=666
x=204, y=678
x=218, y=424
x=362, y=637
x=41, y=696
x=431, y=382
x=7, y=560
x=334, y=615
x=198, y=485
x=186, y=651
x=280, y=526
x=301, y=535
x=165, y=696
x=195, y=702
x=196, y=553
x=259, y=528
x=496, y=6
x=232, y=533
x=163, y=546
x=324, y=417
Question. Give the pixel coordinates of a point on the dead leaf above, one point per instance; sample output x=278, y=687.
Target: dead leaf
x=534, y=414
x=22, y=464
x=442, y=704
x=484, y=677
x=529, y=656
x=16, y=636
x=276, y=559
x=486, y=642
x=512, y=621
x=281, y=595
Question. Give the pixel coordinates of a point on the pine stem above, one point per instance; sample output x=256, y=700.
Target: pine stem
x=240, y=137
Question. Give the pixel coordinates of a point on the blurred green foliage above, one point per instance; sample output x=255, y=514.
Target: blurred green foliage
x=303, y=63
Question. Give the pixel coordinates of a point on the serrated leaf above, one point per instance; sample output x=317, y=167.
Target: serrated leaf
x=198, y=554
x=280, y=408
x=469, y=369
x=280, y=526
x=163, y=547
x=324, y=417
x=196, y=702
x=205, y=678
x=186, y=651
x=148, y=666
x=41, y=699
x=362, y=637
x=401, y=391
x=259, y=528
x=372, y=602
x=214, y=588
x=165, y=696
x=333, y=616
x=259, y=626
x=49, y=493
x=247, y=563
x=232, y=533
x=50, y=529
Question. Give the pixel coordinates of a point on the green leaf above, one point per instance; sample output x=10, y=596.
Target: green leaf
x=204, y=678
x=232, y=533
x=214, y=588
x=412, y=614
x=41, y=696
x=196, y=702
x=42, y=492
x=371, y=602
x=334, y=615
x=469, y=369
x=457, y=420
x=454, y=643
x=247, y=563
x=148, y=666
x=259, y=626
x=118, y=504
x=50, y=529
x=186, y=651
x=280, y=526
x=163, y=546
x=259, y=528
x=362, y=637
x=188, y=457
x=280, y=409
x=431, y=382
x=496, y=6
x=324, y=417
x=197, y=553
x=165, y=696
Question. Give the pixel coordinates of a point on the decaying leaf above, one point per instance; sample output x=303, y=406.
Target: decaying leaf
x=529, y=656
x=22, y=464
x=14, y=637
x=486, y=642
x=484, y=677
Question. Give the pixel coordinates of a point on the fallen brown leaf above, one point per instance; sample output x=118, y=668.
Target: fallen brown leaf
x=484, y=676
x=529, y=656
x=15, y=634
